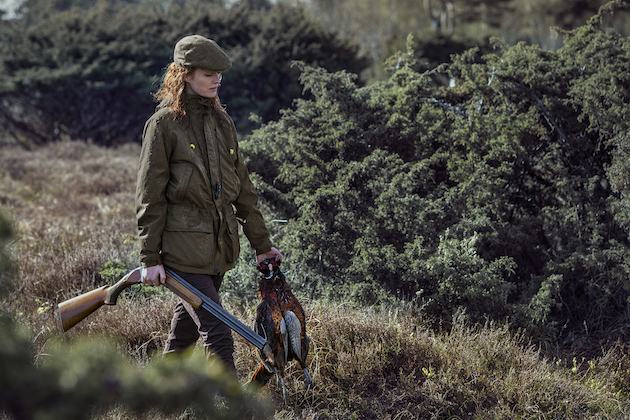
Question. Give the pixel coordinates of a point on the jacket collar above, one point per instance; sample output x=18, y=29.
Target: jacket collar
x=198, y=103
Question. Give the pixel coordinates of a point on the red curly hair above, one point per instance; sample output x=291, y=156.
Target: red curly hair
x=171, y=91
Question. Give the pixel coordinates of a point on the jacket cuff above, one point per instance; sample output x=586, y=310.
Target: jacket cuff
x=263, y=247
x=150, y=260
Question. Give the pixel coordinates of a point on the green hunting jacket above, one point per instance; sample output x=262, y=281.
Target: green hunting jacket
x=182, y=221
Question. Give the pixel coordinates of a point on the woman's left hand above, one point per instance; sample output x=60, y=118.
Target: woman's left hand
x=273, y=253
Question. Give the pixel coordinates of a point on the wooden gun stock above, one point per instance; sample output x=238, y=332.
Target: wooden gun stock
x=74, y=310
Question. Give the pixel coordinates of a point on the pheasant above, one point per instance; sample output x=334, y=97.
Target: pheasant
x=280, y=320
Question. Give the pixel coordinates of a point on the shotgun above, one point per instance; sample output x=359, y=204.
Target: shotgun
x=74, y=310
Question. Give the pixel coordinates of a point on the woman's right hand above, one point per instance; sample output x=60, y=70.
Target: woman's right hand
x=155, y=275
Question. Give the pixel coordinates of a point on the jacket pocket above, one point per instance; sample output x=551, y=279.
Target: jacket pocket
x=178, y=183
x=188, y=238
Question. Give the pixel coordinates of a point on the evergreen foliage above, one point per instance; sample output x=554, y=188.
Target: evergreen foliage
x=91, y=376
x=503, y=196
x=88, y=72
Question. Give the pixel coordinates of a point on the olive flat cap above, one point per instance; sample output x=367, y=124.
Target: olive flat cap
x=202, y=53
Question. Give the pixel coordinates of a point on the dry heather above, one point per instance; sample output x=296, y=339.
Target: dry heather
x=72, y=205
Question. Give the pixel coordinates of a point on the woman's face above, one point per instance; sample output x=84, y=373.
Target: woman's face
x=203, y=83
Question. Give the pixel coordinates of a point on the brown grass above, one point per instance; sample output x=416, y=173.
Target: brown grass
x=72, y=205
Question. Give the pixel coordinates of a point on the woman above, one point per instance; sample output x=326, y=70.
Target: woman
x=193, y=189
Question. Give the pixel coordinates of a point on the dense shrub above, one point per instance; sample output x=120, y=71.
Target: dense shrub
x=88, y=73
x=502, y=196
x=89, y=377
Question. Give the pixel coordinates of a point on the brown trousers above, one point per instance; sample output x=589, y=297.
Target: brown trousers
x=190, y=323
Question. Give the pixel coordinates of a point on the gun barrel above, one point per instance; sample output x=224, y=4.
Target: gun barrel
x=216, y=310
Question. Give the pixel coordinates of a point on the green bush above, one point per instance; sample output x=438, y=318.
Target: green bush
x=504, y=195
x=88, y=72
x=90, y=376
